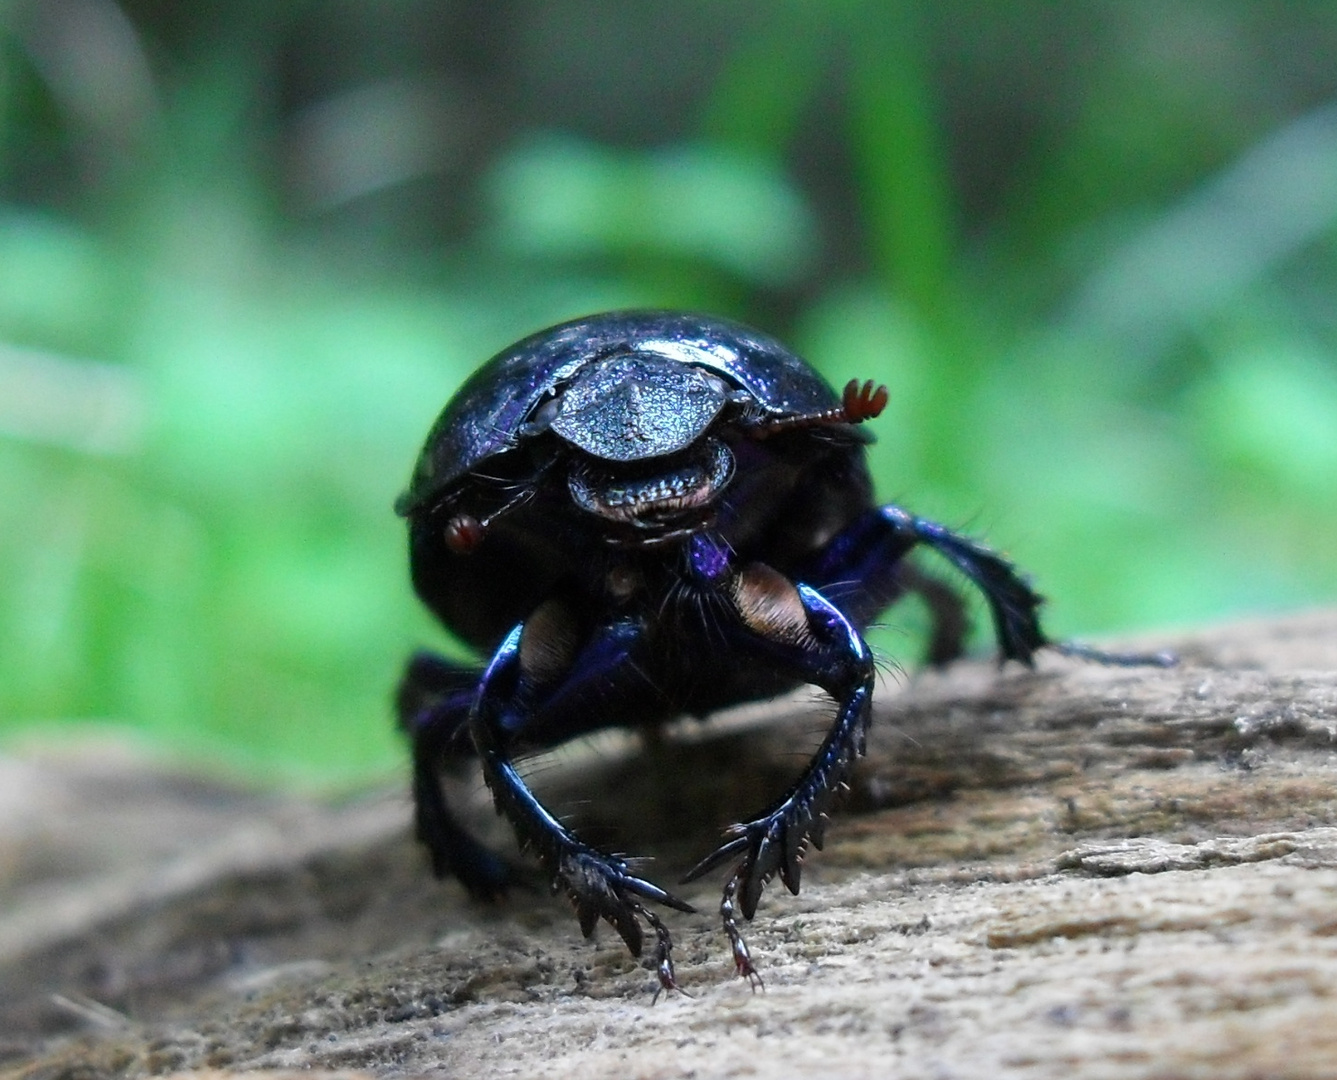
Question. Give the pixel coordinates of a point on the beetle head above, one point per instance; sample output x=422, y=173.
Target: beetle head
x=639, y=427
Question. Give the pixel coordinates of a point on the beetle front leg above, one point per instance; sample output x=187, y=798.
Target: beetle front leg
x=600, y=886
x=807, y=636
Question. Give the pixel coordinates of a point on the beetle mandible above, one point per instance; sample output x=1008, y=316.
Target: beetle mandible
x=641, y=515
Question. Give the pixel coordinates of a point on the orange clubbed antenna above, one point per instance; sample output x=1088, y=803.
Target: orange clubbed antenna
x=859, y=402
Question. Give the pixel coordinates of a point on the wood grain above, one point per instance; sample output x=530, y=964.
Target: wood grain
x=1072, y=871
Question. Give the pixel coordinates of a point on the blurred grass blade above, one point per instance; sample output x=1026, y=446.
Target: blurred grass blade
x=76, y=404
x=902, y=171
x=1220, y=239
x=758, y=100
x=558, y=197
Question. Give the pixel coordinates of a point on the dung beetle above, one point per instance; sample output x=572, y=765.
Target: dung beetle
x=642, y=515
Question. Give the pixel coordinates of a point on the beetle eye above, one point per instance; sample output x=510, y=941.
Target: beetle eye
x=545, y=414
x=721, y=387
x=463, y=533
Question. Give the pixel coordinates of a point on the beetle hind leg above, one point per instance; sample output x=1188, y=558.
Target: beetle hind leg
x=433, y=701
x=949, y=622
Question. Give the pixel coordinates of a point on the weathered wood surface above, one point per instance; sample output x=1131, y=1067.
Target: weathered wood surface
x=1076, y=871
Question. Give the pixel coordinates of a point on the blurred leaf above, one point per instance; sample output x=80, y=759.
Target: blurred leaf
x=1269, y=415
x=771, y=77
x=1187, y=263
x=57, y=283
x=559, y=198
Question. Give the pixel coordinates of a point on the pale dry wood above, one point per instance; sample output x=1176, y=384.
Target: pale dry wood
x=1075, y=871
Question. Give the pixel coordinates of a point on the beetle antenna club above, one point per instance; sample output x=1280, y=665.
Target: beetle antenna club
x=604, y=506
x=858, y=403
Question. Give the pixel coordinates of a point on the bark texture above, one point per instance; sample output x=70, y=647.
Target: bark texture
x=1073, y=871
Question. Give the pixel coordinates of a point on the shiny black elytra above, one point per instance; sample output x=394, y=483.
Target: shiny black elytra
x=644, y=515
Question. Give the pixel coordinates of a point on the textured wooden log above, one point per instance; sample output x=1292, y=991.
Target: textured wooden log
x=1074, y=871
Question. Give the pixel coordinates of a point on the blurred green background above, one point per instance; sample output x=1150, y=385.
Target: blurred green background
x=248, y=249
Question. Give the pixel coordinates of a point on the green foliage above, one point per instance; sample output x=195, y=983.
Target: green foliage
x=708, y=207
x=1119, y=361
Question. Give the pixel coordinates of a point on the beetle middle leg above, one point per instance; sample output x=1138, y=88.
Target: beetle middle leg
x=949, y=623
x=871, y=552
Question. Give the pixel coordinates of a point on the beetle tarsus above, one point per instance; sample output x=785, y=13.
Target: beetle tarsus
x=600, y=888
x=668, y=980
x=742, y=957
x=1081, y=651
